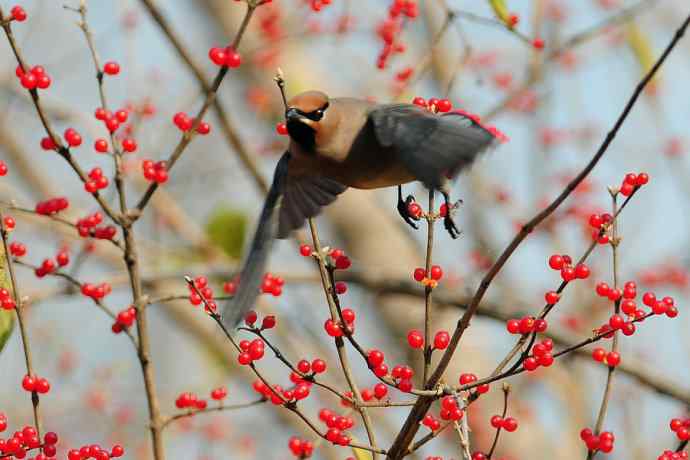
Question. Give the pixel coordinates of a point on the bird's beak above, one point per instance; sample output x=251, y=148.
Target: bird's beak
x=292, y=114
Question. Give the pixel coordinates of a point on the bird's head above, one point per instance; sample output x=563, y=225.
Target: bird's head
x=307, y=117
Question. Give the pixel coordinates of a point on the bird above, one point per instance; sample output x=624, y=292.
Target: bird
x=342, y=142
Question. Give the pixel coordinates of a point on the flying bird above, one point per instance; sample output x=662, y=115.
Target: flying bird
x=336, y=143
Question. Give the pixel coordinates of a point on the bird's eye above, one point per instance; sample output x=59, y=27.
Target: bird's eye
x=316, y=115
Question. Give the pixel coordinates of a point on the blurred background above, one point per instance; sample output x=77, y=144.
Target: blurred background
x=555, y=104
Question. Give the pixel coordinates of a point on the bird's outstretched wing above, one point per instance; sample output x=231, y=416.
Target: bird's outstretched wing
x=303, y=198
x=430, y=146
x=289, y=202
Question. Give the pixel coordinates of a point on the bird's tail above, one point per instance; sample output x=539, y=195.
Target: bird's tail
x=255, y=263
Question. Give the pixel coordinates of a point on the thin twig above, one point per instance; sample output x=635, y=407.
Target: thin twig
x=428, y=289
x=339, y=343
x=506, y=392
x=222, y=408
x=19, y=311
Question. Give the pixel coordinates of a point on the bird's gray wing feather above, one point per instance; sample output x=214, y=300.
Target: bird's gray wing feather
x=289, y=202
x=304, y=197
x=255, y=263
x=429, y=145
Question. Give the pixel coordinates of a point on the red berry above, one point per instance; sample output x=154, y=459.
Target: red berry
x=538, y=43
x=232, y=58
x=111, y=68
x=556, y=262
x=305, y=250
x=380, y=391
x=129, y=145
x=318, y=366
x=375, y=358
x=530, y=363
x=436, y=272
x=551, y=297
x=268, y=322
x=441, y=340
x=513, y=326
x=582, y=271
x=510, y=424
x=419, y=274
x=613, y=359
x=616, y=321
x=496, y=421
x=101, y=145
x=18, y=14
x=281, y=128
x=217, y=55
x=598, y=354
x=415, y=339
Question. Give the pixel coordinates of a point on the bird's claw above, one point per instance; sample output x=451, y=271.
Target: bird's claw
x=451, y=227
x=403, y=209
x=448, y=222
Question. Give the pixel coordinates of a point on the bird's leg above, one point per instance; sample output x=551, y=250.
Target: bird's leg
x=448, y=219
x=403, y=208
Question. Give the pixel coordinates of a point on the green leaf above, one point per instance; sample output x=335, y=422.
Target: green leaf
x=6, y=316
x=226, y=228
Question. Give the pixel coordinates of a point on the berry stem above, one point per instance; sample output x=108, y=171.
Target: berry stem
x=19, y=311
x=428, y=344
x=506, y=392
x=603, y=408
x=329, y=291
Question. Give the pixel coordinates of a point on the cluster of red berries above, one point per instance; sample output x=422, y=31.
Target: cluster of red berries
x=300, y=448
x=25, y=440
x=433, y=104
x=389, y=29
x=225, y=57
x=48, y=266
x=96, y=452
x=338, y=259
x=268, y=322
x=272, y=285
x=469, y=378
x=96, y=291
x=450, y=409
x=155, y=172
x=632, y=182
x=317, y=366
x=124, y=319
x=184, y=122
x=72, y=137
x=52, y=206
x=563, y=263
x=277, y=395
x=112, y=122
x=337, y=425
x=88, y=226
x=670, y=455
x=602, y=442
x=191, y=401
x=6, y=301
x=541, y=355
x=611, y=358
x=98, y=181
x=9, y=223
x=251, y=351
x=597, y=221
x=509, y=423
x=378, y=391
x=17, y=249
x=336, y=328
x=403, y=377
x=431, y=422
x=36, y=77
x=670, y=273
x=202, y=287
x=375, y=359
x=681, y=427
x=431, y=278
x=34, y=383
x=526, y=325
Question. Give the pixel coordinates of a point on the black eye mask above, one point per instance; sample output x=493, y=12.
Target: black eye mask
x=316, y=115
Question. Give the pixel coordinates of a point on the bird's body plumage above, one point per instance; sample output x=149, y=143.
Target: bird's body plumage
x=336, y=143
